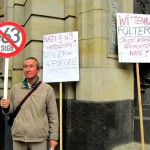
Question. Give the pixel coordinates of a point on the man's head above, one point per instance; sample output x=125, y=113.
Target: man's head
x=31, y=67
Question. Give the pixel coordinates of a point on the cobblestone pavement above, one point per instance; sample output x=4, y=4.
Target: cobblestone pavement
x=132, y=146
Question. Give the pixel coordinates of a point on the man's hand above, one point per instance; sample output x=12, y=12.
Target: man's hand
x=53, y=144
x=4, y=103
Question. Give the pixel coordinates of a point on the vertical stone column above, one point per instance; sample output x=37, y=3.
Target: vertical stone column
x=99, y=71
x=69, y=25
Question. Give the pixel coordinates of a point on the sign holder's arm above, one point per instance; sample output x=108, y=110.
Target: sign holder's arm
x=61, y=117
x=6, y=77
x=140, y=106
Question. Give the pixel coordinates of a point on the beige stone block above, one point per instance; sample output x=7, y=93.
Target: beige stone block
x=82, y=6
x=9, y=4
x=82, y=25
x=94, y=53
x=101, y=4
x=27, y=10
x=37, y=50
x=83, y=53
x=19, y=14
x=1, y=4
x=69, y=88
x=127, y=6
x=9, y=14
x=28, y=29
x=20, y=2
x=70, y=24
x=97, y=24
x=2, y=8
x=84, y=86
x=97, y=21
x=118, y=84
x=90, y=53
x=1, y=19
x=91, y=4
x=70, y=8
x=97, y=83
x=103, y=24
x=11, y=63
x=88, y=5
x=93, y=24
x=27, y=52
x=96, y=4
x=17, y=76
x=105, y=84
x=34, y=49
x=39, y=26
x=18, y=60
x=106, y=60
x=54, y=8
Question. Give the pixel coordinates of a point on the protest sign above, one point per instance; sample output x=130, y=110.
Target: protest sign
x=133, y=32
x=12, y=41
x=60, y=57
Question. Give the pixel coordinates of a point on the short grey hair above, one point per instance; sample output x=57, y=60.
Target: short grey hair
x=38, y=64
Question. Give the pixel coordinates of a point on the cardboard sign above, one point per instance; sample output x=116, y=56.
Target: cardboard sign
x=60, y=57
x=133, y=32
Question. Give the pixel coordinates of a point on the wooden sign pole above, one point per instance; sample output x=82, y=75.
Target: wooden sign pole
x=140, y=106
x=61, y=116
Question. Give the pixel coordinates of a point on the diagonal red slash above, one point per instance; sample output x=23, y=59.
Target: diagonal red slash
x=9, y=40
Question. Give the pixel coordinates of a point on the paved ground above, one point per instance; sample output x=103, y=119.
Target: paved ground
x=132, y=146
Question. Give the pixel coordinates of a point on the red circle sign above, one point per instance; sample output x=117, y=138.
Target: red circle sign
x=12, y=39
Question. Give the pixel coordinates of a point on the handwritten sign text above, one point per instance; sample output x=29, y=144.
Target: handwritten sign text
x=133, y=37
x=60, y=57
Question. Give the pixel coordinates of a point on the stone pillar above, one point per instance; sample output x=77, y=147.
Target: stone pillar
x=99, y=67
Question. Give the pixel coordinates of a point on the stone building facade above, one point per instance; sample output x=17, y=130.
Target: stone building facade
x=98, y=109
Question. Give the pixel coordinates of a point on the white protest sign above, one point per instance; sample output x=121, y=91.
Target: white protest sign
x=60, y=57
x=133, y=38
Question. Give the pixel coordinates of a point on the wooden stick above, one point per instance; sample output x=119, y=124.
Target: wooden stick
x=140, y=106
x=61, y=116
x=6, y=77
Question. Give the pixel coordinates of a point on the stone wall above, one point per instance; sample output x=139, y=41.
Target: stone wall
x=106, y=77
x=92, y=19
